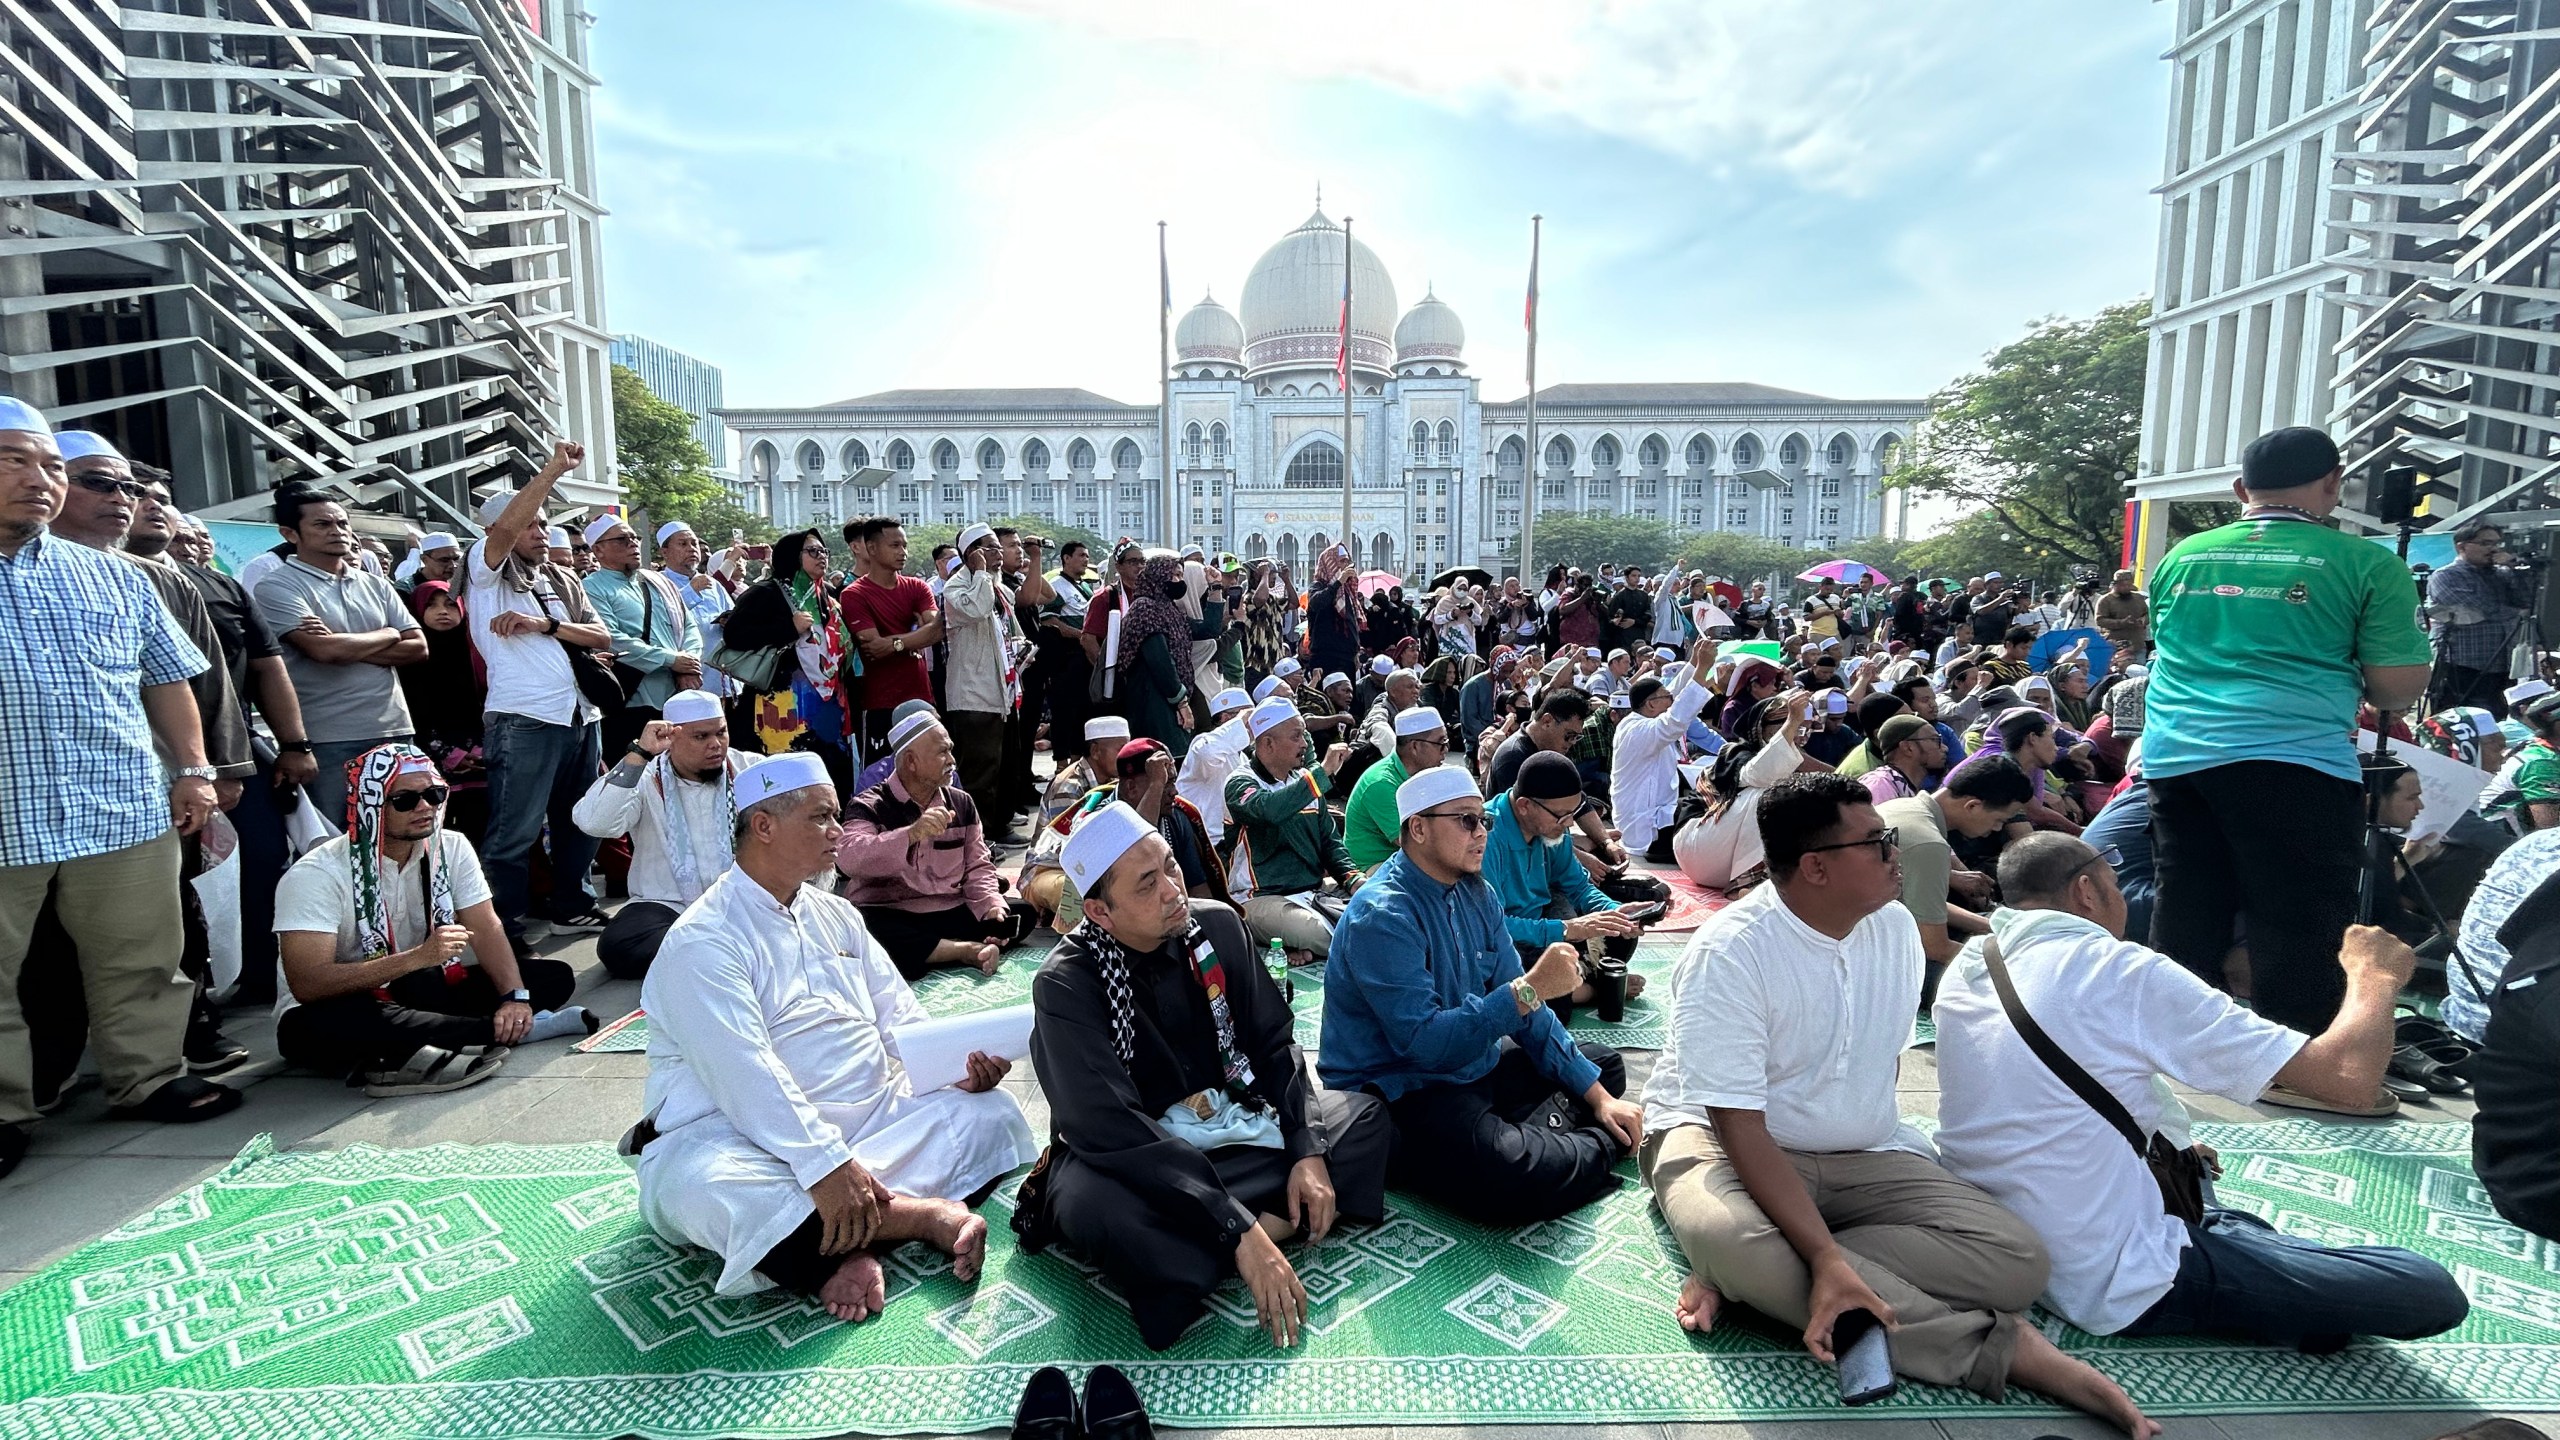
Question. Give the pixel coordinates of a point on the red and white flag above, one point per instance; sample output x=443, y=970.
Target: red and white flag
x=1342, y=339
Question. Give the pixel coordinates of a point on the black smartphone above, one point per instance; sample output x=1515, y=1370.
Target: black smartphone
x=1865, y=1353
x=1644, y=914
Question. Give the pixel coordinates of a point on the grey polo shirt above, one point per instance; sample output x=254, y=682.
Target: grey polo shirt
x=360, y=701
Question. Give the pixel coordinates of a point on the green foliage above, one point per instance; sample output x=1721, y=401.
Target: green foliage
x=666, y=474
x=2042, y=439
x=1564, y=538
x=922, y=538
x=1980, y=543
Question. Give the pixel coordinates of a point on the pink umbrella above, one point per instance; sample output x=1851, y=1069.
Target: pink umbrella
x=1377, y=582
x=1847, y=572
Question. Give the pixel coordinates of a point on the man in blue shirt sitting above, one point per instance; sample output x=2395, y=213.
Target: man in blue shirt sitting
x=1499, y=1115
x=1545, y=893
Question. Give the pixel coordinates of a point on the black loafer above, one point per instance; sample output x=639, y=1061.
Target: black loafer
x=1111, y=1407
x=1048, y=1408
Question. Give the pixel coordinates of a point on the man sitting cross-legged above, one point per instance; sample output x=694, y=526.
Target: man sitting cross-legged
x=1369, y=816
x=1547, y=896
x=1069, y=790
x=1499, y=1114
x=1285, y=844
x=1191, y=1140
x=1777, y=1153
x=670, y=793
x=2125, y=1014
x=395, y=967
x=914, y=856
x=781, y=1131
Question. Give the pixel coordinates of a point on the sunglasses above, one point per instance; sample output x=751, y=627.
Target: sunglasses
x=97, y=484
x=1886, y=842
x=2111, y=857
x=432, y=796
x=1469, y=821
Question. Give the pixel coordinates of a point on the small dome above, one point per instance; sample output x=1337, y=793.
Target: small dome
x=1209, y=332
x=1429, y=331
x=1292, y=304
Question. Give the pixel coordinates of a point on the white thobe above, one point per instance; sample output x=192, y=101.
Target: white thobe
x=1214, y=755
x=771, y=1063
x=610, y=808
x=1644, y=768
x=707, y=607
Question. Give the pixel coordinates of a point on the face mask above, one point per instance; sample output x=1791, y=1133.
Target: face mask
x=1174, y=590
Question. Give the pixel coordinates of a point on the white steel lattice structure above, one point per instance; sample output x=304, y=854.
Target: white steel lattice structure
x=345, y=241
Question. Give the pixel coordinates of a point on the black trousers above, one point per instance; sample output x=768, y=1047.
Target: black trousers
x=1508, y=1148
x=354, y=1034
x=2461, y=685
x=631, y=941
x=1166, y=1261
x=2515, y=1139
x=2278, y=845
x=911, y=935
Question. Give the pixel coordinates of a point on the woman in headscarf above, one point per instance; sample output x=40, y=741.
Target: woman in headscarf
x=1721, y=849
x=1754, y=680
x=1265, y=634
x=795, y=606
x=1515, y=615
x=446, y=691
x=1155, y=640
x=1455, y=614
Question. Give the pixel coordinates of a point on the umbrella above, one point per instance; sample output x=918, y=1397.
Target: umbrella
x=1762, y=649
x=1472, y=574
x=1378, y=582
x=1847, y=572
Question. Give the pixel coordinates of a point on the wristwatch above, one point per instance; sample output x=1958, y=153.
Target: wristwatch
x=1524, y=995
x=194, y=772
x=304, y=746
x=898, y=644
x=520, y=997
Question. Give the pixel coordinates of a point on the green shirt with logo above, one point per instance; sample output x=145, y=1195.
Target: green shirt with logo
x=2264, y=628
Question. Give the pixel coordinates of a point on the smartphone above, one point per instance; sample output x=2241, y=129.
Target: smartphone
x=1865, y=1352
x=1644, y=914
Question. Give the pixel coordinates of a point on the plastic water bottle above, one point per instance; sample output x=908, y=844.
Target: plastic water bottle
x=1277, y=961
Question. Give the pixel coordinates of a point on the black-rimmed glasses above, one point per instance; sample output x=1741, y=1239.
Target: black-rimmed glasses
x=1470, y=821
x=1886, y=842
x=412, y=799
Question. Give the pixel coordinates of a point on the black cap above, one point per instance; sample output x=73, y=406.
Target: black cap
x=2283, y=459
x=1547, y=776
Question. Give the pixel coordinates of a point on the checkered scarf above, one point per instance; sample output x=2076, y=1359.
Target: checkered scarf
x=1112, y=959
x=369, y=779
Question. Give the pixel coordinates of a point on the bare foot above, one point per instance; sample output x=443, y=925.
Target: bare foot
x=1635, y=986
x=990, y=959
x=2039, y=1366
x=951, y=1229
x=1697, y=1306
x=857, y=1290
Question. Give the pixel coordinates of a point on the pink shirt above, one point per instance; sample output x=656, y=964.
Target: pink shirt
x=883, y=864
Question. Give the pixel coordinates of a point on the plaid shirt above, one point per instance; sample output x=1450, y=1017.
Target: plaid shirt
x=81, y=634
x=2474, y=609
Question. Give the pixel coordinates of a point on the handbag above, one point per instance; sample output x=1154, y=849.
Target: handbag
x=596, y=680
x=627, y=677
x=2178, y=1172
x=763, y=671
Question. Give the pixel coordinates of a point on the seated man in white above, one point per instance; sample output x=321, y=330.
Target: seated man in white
x=781, y=1132
x=2122, y=1014
x=670, y=793
x=1214, y=755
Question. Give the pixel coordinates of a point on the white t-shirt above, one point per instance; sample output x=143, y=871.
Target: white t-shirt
x=1770, y=1014
x=319, y=894
x=528, y=674
x=2008, y=1124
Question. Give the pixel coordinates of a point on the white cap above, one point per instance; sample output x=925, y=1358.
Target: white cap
x=1098, y=841
x=495, y=505
x=1619, y=701
x=600, y=527
x=2034, y=683
x=1106, y=727
x=1620, y=655
x=974, y=535
x=687, y=706
x=1590, y=652
x=2524, y=690
x=556, y=538
x=904, y=733
x=1229, y=699
x=672, y=529
x=1665, y=652
x=1383, y=665
x=81, y=444
x=780, y=775
x=1194, y=552
x=1268, y=716
x=1418, y=720
x=1263, y=687
x=438, y=541
x=1991, y=575
x=1287, y=667
x=1436, y=786
x=1835, y=702
x=1336, y=678
x=17, y=414
x=1830, y=643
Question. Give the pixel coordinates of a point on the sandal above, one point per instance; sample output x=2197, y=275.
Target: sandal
x=183, y=1101
x=434, y=1070
x=2420, y=1066
x=2384, y=1102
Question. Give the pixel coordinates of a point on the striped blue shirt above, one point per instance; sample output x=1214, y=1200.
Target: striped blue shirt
x=81, y=632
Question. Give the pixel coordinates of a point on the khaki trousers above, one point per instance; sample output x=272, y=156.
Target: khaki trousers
x=1295, y=926
x=1954, y=1265
x=121, y=910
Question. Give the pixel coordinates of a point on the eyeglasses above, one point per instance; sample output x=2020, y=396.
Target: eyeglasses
x=433, y=795
x=1470, y=821
x=97, y=484
x=2111, y=857
x=1886, y=842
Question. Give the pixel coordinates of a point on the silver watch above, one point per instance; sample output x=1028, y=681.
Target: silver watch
x=194, y=772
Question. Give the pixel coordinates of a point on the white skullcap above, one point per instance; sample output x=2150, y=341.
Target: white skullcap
x=1098, y=842
x=1665, y=652
x=687, y=706
x=1620, y=655
x=600, y=527
x=672, y=529
x=1287, y=667
x=556, y=537
x=780, y=775
x=1336, y=678
x=1590, y=652
x=2137, y=672
x=2034, y=683
x=1619, y=701
x=1991, y=575
x=904, y=733
x=1436, y=786
x=1830, y=643
x=1382, y=665
x=2524, y=690
x=974, y=535
x=1194, y=552
x=1418, y=720
x=17, y=414
x=1229, y=699
x=1268, y=716
x=950, y=566
x=495, y=505
x=1263, y=687
x=438, y=541
x=1835, y=702
x=81, y=444
x=1106, y=727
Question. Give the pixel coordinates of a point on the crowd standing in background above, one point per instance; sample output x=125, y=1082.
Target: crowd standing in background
x=808, y=780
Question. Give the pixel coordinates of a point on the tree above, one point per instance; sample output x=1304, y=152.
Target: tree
x=665, y=471
x=2043, y=437
x=1978, y=544
x=922, y=538
x=1588, y=540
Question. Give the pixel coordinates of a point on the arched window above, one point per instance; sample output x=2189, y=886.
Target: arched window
x=1288, y=392
x=1218, y=444
x=1791, y=451
x=902, y=456
x=946, y=456
x=1080, y=457
x=813, y=461
x=990, y=457
x=1604, y=451
x=1559, y=452
x=1448, y=443
x=1255, y=547
x=1317, y=467
x=855, y=455
x=1702, y=451
x=1653, y=454
x=1837, y=452
x=1288, y=553
x=1382, y=553
x=1124, y=459
x=1746, y=452
x=1035, y=458
x=1889, y=454
x=763, y=461
x=1508, y=457
x=1191, y=443
x=1421, y=442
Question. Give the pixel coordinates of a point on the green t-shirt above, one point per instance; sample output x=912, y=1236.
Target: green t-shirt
x=2263, y=629
x=1369, y=822
x=2537, y=779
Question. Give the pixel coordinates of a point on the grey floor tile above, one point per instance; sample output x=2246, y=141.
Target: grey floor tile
x=12, y=1277
x=483, y=1112
x=576, y=1110
x=291, y=1108
x=2402, y=1425
x=2071, y=1427
x=62, y=1209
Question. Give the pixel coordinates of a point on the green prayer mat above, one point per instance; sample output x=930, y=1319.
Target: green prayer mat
x=504, y=1290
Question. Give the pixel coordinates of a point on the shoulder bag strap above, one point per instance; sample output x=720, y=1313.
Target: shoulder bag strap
x=2066, y=1069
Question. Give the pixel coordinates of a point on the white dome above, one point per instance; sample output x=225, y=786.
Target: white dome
x=1429, y=331
x=1209, y=332
x=1293, y=302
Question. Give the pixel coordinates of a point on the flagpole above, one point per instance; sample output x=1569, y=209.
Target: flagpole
x=1529, y=467
x=1172, y=509
x=1345, y=536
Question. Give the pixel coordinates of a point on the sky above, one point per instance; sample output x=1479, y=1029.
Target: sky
x=1855, y=198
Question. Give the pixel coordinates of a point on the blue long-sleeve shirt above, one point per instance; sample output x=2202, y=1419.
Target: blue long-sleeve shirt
x=1529, y=876
x=1417, y=990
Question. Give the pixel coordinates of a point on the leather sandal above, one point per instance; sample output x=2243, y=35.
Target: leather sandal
x=183, y=1101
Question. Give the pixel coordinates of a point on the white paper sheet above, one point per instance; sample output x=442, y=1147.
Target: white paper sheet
x=2447, y=786
x=936, y=1052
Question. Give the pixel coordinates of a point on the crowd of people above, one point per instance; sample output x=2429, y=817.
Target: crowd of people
x=2105, y=837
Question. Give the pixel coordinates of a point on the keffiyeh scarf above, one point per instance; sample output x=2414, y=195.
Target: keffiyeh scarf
x=369, y=779
x=1112, y=959
x=659, y=781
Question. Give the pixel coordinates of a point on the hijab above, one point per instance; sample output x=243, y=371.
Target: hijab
x=445, y=690
x=807, y=594
x=1153, y=612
